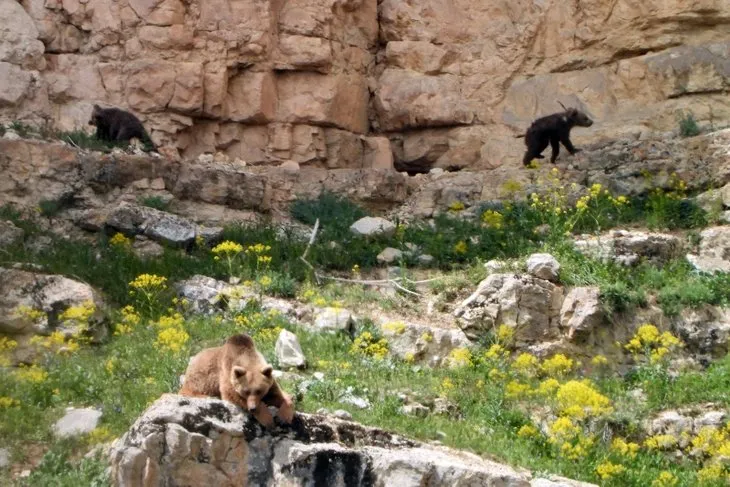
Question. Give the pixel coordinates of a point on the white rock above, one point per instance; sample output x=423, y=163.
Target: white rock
x=581, y=312
x=494, y=266
x=77, y=422
x=714, y=251
x=334, y=319
x=389, y=255
x=289, y=352
x=373, y=227
x=4, y=457
x=342, y=414
x=355, y=401
x=543, y=266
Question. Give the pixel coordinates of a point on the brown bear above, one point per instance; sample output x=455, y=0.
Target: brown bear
x=238, y=373
x=115, y=125
x=553, y=130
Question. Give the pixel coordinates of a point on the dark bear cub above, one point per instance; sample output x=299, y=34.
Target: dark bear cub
x=554, y=130
x=115, y=125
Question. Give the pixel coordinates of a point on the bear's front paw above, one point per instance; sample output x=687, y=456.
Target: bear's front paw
x=286, y=411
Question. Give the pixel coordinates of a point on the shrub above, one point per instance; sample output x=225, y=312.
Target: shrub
x=153, y=202
x=688, y=125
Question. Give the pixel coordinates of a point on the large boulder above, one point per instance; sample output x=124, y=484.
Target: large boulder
x=158, y=225
x=529, y=305
x=194, y=441
x=373, y=227
x=422, y=344
x=631, y=247
x=581, y=312
x=50, y=294
x=714, y=251
x=704, y=330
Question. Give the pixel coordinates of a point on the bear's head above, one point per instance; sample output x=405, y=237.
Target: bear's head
x=252, y=383
x=578, y=118
x=95, y=115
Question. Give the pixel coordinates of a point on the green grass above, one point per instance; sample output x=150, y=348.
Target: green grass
x=125, y=375
x=153, y=202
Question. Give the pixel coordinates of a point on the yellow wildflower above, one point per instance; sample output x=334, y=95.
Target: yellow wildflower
x=395, y=327
x=505, y=334
x=580, y=400
x=120, y=241
x=8, y=402
x=558, y=365
x=32, y=374
x=172, y=339
x=446, y=386
x=660, y=442
x=149, y=282
x=625, y=448
x=461, y=247
x=456, y=206
x=493, y=219
x=599, y=361
x=496, y=352
x=526, y=364
x=711, y=473
x=548, y=387
x=607, y=470
x=496, y=375
x=665, y=479
x=528, y=431
x=426, y=337
x=227, y=248
x=460, y=357
x=366, y=345
x=516, y=390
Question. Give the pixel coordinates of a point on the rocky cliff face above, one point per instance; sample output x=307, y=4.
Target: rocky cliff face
x=345, y=83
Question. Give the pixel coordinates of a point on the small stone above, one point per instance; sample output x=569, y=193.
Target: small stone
x=4, y=457
x=495, y=266
x=426, y=260
x=323, y=411
x=415, y=409
x=290, y=166
x=373, y=227
x=24, y=474
x=77, y=422
x=146, y=248
x=389, y=255
x=9, y=233
x=289, y=352
x=287, y=376
x=441, y=435
x=210, y=235
x=318, y=375
x=352, y=400
x=342, y=414
x=543, y=266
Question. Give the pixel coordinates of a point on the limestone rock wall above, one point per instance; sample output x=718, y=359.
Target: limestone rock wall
x=345, y=83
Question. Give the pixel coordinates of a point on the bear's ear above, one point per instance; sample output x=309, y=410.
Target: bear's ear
x=267, y=371
x=96, y=108
x=238, y=372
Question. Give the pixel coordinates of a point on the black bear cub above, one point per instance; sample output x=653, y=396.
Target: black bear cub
x=115, y=125
x=553, y=130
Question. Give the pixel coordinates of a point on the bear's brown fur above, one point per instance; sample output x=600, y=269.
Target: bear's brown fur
x=115, y=125
x=238, y=373
x=553, y=130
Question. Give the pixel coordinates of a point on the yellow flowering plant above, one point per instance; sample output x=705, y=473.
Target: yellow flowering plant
x=147, y=290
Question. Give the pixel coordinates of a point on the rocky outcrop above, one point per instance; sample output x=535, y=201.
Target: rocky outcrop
x=422, y=344
x=91, y=186
x=33, y=304
x=357, y=83
x=631, y=247
x=714, y=250
x=528, y=304
x=191, y=441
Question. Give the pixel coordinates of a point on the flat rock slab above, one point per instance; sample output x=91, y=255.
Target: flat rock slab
x=77, y=422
